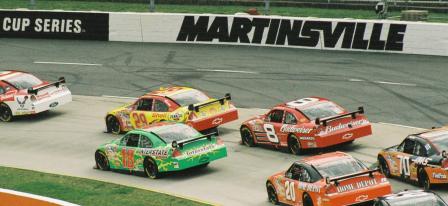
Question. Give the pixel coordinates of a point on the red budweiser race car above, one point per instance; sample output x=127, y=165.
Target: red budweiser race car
x=305, y=123
x=22, y=93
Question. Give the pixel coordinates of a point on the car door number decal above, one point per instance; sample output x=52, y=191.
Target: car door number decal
x=128, y=158
x=290, y=192
x=404, y=165
x=140, y=120
x=270, y=133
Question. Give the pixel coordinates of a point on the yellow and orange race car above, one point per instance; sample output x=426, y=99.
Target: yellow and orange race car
x=331, y=179
x=420, y=158
x=179, y=104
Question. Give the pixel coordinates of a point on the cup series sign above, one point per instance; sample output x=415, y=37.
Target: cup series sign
x=54, y=25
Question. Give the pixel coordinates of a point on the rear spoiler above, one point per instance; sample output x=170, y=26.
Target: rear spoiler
x=337, y=179
x=180, y=144
x=34, y=91
x=324, y=121
x=195, y=108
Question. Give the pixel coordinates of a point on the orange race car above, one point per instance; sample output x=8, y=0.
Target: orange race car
x=420, y=158
x=305, y=123
x=178, y=104
x=331, y=179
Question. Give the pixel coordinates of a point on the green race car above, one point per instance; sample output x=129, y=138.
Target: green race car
x=159, y=148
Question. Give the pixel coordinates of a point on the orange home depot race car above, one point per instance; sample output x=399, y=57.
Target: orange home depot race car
x=331, y=179
x=420, y=158
x=305, y=123
x=179, y=104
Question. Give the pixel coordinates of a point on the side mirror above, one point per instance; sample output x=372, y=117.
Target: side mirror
x=444, y=155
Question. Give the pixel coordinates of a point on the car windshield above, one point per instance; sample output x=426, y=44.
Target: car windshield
x=24, y=81
x=340, y=167
x=176, y=132
x=441, y=142
x=322, y=110
x=189, y=97
x=426, y=200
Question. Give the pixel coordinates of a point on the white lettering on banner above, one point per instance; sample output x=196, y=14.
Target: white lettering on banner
x=340, y=126
x=42, y=25
x=292, y=129
x=438, y=176
x=359, y=185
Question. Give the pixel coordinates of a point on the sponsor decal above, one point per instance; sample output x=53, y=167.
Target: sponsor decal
x=22, y=102
x=308, y=187
x=341, y=126
x=176, y=116
x=292, y=129
x=200, y=150
x=307, y=138
x=159, y=115
x=362, y=198
x=421, y=161
x=358, y=185
x=218, y=120
x=438, y=176
x=58, y=25
x=293, y=32
x=54, y=104
x=347, y=136
x=155, y=152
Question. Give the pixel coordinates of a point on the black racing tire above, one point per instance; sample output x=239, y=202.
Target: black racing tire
x=5, y=113
x=113, y=125
x=272, y=194
x=101, y=161
x=307, y=201
x=294, y=146
x=151, y=169
x=203, y=165
x=423, y=179
x=384, y=167
x=246, y=137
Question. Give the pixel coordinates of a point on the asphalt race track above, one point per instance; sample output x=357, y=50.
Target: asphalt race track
x=400, y=89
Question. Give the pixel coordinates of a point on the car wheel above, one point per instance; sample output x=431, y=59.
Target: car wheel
x=423, y=179
x=246, y=136
x=5, y=113
x=151, y=169
x=101, y=161
x=307, y=201
x=294, y=145
x=384, y=168
x=272, y=195
x=113, y=125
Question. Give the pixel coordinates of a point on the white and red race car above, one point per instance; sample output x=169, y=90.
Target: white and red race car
x=22, y=93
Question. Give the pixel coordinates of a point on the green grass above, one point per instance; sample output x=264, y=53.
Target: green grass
x=83, y=191
x=139, y=7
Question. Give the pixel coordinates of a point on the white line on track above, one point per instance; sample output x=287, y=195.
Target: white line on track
x=396, y=83
x=118, y=97
x=399, y=125
x=68, y=63
x=384, y=82
x=227, y=71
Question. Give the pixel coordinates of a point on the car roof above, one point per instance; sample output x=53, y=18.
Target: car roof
x=304, y=102
x=159, y=126
x=325, y=158
x=433, y=133
x=413, y=194
x=168, y=92
x=4, y=75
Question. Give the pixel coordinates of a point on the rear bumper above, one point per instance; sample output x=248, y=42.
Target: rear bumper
x=357, y=196
x=52, y=102
x=185, y=162
x=437, y=175
x=215, y=120
x=346, y=135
